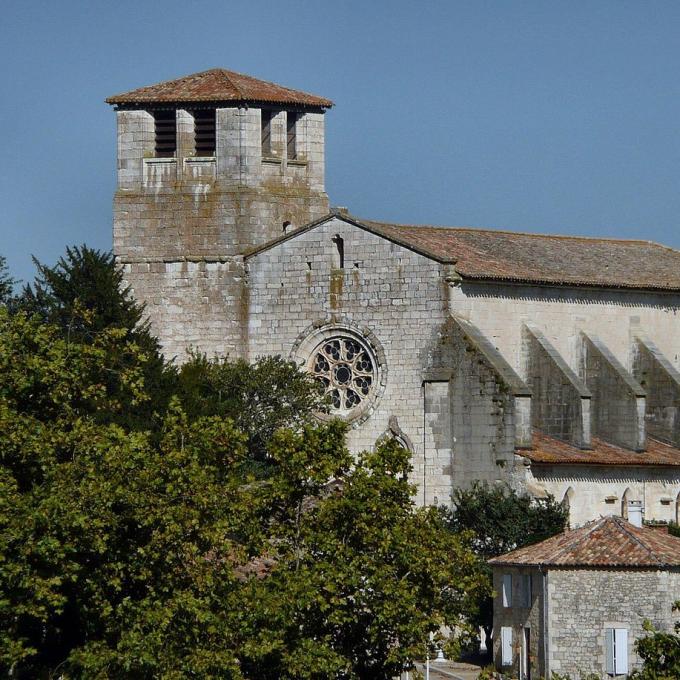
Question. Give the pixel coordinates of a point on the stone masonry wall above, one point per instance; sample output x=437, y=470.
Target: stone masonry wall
x=583, y=603
x=661, y=381
x=560, y=404
x=499, y=311
x=599, y=490
x=618, y=403
x=383, y=289
x=181, y=224
x=519, y=617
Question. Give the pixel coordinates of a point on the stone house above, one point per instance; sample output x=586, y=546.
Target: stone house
x=575, y=603
x=547, y=362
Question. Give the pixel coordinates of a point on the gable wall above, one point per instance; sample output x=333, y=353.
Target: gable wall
x=392, y=292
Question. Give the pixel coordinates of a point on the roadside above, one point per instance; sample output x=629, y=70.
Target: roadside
x=448, y=670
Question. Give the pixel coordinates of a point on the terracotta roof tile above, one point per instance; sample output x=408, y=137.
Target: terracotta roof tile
x=605, y=542
x=218, y=85
x=555, y=452
x=485, y=254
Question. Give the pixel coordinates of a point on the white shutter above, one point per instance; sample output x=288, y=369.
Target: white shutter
x=507, y=590
x=506, y=646
x=609, y=650
x=620, y=651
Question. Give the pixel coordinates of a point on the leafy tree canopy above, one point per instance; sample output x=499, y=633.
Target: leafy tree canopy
x=660, y=653
x=260, y=398
x=83, y=295
x=156, y=553
x=6, y=282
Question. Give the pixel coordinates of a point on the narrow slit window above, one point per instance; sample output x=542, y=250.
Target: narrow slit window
x=266, y=133
x=165, y=131
x=339, y=254
x=291, y=138
x=204, y=132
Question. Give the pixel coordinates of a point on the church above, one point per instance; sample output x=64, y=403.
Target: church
x=546, y=362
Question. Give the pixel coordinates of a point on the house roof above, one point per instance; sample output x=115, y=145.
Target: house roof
x=605, y=542
x=218, y=85
x=515, y=257
x=489, y=254
x=550, y=451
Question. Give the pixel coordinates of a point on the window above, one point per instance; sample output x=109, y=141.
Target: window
x=526, y=590
x=165, y=133
x=266, y=132
x=507, y=590
x=204, y=132
x=339, y=253
x=506, y=645
x=616, y=649
x=291, y=139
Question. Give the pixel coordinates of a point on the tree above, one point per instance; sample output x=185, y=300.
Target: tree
x=83, y=295
x=260, y=398
x=6, y=282
x=502, y=520
x=660, y=653
x=362, y=579
x=137, y=554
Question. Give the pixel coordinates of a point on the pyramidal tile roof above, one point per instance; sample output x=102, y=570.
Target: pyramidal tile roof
x=605, y=542
x=219, y=85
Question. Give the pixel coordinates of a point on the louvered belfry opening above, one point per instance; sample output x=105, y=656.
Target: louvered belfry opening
x=266, y=132
x=204, y=132
x=291, y=141
x=165, y=129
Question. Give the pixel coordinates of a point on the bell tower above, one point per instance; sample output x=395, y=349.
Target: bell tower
x=209, y=166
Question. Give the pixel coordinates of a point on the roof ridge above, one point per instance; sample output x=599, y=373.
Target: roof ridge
x=497, y=230
x=581, y=539
x=621, y=523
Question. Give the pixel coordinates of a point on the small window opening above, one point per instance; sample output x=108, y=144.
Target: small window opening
x=165, y=131
x=339, y=254
x=204, y=132
x=286, y=226
x=291, y=138
x=266, y=132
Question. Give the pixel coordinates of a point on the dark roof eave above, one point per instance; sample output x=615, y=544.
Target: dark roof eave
x=566, y=461
x=468, y=278
x=132, y=104
x=580, y=565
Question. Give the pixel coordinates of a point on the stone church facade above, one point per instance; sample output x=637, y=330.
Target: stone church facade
x=547, y=362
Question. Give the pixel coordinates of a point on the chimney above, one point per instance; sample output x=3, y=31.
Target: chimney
x=635, y=513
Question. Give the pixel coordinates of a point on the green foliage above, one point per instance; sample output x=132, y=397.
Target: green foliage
x=6, y=282
x=363, y=577
x=660, y=653
x=84, y=295
x=133, y=553
x=260, y=398
x=502, y=520
x=674, y=529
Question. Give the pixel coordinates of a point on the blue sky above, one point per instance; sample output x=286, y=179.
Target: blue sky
x=542, y=116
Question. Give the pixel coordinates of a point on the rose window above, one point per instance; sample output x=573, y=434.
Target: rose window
x=347, y=371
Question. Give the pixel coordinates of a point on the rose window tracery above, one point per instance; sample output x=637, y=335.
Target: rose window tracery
x=347, y=371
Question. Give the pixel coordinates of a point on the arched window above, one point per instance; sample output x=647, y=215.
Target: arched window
x=627, y=496
x=568, y=499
